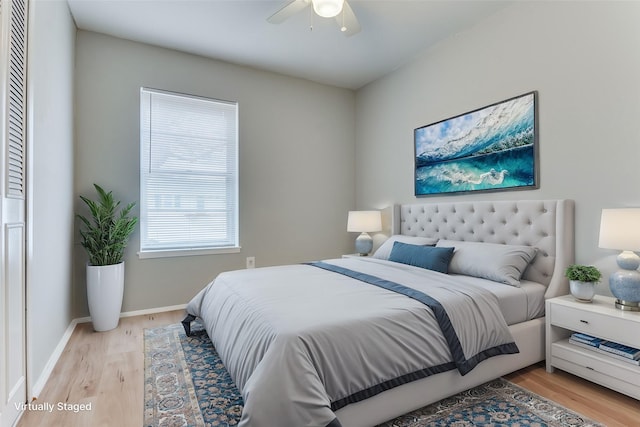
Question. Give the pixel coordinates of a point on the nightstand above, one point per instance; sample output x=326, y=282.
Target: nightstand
x=565, y=315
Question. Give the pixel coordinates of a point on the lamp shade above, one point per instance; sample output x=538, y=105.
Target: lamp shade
x=364, y=221
x=327, y=8
x=620, y=229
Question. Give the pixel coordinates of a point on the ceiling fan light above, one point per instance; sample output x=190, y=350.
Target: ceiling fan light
x=327, y=8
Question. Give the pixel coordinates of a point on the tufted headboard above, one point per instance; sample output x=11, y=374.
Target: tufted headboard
x=545, y=224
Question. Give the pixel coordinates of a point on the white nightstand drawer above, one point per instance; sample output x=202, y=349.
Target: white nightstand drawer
x=611, y=328
x=598, y=378
x=594, y=361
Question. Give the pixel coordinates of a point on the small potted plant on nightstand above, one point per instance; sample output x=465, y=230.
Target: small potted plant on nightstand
x=582, y=281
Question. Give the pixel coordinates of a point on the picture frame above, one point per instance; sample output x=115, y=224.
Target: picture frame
x=493, y=148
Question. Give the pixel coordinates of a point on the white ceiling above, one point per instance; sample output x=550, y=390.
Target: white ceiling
x=393, y=32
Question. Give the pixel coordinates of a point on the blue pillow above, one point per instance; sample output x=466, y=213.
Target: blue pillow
x=436, y=259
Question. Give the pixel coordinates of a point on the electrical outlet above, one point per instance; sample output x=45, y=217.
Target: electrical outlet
x=251, y=262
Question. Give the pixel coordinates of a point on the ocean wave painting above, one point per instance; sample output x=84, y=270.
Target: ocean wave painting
x=487, y=149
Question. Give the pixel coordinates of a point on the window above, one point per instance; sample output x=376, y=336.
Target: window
x=188, y=175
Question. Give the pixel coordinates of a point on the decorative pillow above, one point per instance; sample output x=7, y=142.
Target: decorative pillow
x=384, y=250
x=500, y=263
x=436, y=259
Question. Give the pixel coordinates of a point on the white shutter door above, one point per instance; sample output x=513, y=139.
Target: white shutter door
x=13, y=72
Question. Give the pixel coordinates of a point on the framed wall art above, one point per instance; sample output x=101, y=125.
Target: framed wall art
x=489, y=149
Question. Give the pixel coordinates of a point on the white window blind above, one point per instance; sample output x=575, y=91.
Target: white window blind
x=188, y=173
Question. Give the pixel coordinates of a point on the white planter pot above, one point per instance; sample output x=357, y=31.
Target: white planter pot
x=105, y=287
x=582, y=291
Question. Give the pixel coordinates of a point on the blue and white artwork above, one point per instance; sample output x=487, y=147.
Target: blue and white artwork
x=488, y=149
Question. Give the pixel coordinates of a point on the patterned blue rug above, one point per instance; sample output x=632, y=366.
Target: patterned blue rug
x=187, y=385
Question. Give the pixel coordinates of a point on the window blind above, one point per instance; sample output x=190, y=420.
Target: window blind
x=188, y=172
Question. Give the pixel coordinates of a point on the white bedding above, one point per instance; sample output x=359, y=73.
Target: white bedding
x=516, y=304
x=301, y=341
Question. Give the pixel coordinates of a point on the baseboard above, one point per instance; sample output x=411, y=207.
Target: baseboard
x=140, y=312
x=154, y=310
x=37, y=387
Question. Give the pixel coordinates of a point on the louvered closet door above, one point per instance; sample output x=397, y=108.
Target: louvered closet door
x=13, y=66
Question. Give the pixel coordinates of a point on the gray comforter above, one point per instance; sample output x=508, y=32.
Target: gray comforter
x=302, y=341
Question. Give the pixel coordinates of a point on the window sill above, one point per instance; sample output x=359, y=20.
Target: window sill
x=170, y=253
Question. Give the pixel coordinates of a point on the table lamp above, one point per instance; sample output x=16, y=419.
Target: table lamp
x=620, y=229
x=364, y=222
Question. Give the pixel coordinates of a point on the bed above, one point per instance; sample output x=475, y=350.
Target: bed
x=355, y=342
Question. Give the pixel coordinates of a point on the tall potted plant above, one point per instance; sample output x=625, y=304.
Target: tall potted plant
x=105, y=234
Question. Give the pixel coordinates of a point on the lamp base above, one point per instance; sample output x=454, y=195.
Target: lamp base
x=627, y=305
x=364, y=244
x=625, y=283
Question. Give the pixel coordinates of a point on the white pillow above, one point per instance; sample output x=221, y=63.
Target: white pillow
x=384, y=250
x=492, y=261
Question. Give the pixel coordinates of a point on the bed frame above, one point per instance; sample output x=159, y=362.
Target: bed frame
x=546, y=224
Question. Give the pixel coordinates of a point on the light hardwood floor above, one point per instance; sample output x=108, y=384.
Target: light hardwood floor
x=106, y=370
x=591, y=400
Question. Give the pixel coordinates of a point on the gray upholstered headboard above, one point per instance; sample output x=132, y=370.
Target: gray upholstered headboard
x=545, y=224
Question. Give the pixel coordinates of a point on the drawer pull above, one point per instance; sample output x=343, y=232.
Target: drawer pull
x=584, y=321
x=590, y=368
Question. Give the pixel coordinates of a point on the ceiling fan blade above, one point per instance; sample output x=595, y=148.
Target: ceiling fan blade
x=288, y=10
x=347, y=21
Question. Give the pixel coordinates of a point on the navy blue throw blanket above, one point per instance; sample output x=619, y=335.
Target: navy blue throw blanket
x=463, y=364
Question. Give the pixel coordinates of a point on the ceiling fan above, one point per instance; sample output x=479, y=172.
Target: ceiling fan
x=338, y=9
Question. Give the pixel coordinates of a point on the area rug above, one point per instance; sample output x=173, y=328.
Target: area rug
x=186, y=384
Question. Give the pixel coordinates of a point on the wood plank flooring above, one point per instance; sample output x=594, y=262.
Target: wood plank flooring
x=106, y=370
x=591, y=400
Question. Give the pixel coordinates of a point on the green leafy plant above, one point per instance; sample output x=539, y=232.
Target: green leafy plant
x=583, y=273
x=106, y=233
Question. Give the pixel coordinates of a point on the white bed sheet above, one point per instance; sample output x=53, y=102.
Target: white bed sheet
x=517, y=304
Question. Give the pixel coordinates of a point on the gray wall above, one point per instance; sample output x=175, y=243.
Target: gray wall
x=297, y=152
x=581, y=57
x=50, y=181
